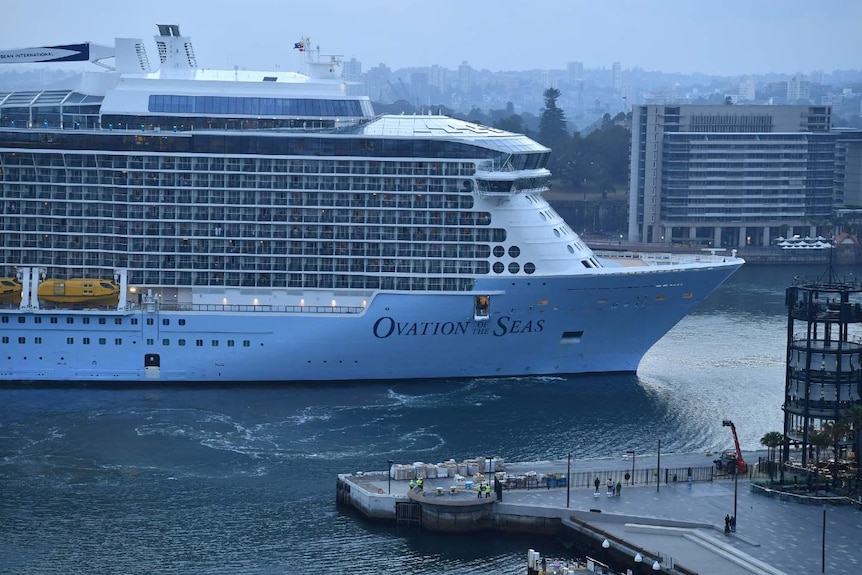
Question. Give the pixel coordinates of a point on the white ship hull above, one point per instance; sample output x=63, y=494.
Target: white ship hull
x=584, y=324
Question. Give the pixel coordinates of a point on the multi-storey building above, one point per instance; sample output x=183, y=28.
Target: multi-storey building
x=730, y=175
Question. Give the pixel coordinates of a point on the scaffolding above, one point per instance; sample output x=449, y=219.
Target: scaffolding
x=824, y=375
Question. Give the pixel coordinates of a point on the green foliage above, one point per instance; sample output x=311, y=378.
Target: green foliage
x=552, y=121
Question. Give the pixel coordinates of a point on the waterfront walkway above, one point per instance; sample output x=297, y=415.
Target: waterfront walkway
x=686, y=524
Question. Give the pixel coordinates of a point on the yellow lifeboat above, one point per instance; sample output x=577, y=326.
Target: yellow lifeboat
x=10, y=291
x=77, y=292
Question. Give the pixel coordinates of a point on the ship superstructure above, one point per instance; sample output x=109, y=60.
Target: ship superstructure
x=268, y=217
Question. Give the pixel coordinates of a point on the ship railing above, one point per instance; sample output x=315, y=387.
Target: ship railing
x=325, y=309
x=666, y=259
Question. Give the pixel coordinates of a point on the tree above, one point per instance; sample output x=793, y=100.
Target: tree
x=853, y=419
x=552, y=123
x=772, y=440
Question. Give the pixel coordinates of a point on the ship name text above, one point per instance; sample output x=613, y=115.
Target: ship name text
x=386, y=326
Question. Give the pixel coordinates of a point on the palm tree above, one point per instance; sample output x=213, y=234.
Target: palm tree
x=853, y=418
x=819, y=439
x=771, y=441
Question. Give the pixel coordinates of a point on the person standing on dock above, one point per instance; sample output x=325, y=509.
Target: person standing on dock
x=412, y=484
x=597, y=483
x=610, y=486
x=619, y=488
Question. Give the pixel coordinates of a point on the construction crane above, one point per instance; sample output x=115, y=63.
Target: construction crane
x=730, y=461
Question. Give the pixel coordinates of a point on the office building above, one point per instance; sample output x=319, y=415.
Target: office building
x=730, y=176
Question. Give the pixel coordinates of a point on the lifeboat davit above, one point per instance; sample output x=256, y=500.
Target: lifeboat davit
x=10, y=290
x=80, y=292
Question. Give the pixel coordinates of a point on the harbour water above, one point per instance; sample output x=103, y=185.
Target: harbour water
x=240, y=480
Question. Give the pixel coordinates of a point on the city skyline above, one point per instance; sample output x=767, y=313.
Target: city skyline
x=734, y=38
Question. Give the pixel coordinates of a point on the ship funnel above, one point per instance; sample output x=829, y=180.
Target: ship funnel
x=175, y=50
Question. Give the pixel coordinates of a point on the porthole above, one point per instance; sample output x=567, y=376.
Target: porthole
x=571, y=249
x=529, y=268
x=514, y=268
x=514, y=251
x=499, y=251
x=498, y=267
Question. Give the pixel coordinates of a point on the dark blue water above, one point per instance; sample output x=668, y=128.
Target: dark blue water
x=242, y=480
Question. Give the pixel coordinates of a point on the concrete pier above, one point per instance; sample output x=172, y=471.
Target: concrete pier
x=675, y=525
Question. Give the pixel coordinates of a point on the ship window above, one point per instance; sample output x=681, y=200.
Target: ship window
x=118, y=341
x=498, y=267
x=85, y=320
x=150, y=341
x=21, y=319
x=150, y=321
x=182, y=322
x=514, y=268
x=102, y=341
x=37, y=320
x=499, y=251
x=70, y=320
x=70, y=340
x=529, y=268
x=53, y=319
x=166, y=341
x=102, y=321
x=230, y=343
x=215, y=343
x=119, y=321
x=5, y=319
x=514, y=251
x=5, y=339
x=166, y=321
x=134, y=321
x=246, y=343
x=86, y=341
x=22, y=340
x=199, y=342
x=181, y=342
x=37, y=339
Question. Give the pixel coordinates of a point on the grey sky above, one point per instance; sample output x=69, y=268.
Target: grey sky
x=727, y=37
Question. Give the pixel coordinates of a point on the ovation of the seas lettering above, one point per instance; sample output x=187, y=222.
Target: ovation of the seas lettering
x=386, y=326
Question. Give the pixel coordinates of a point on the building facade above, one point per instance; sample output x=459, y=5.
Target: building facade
x=730, y=176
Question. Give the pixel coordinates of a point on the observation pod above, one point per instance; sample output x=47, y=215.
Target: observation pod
x=824, y=373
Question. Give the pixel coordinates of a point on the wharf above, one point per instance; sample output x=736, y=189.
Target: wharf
x=680, y=526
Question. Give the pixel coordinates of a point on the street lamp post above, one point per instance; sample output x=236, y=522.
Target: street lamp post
x=568, y=479
x=632, y=451
x=389, y=474
x=823, y=544
x=735, y=489
x=658, y=469
x=606, y=545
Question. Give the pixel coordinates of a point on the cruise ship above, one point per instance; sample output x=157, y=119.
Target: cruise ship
x=241, y=226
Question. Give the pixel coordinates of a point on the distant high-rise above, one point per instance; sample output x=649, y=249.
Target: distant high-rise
x=419, y=89
x=465, y=78
x=437, y=78
x=377, y=83
x=617, y=78
x=798, y=89
x=574, y=72
x=352, y=70
x=747, y=90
